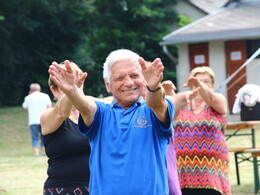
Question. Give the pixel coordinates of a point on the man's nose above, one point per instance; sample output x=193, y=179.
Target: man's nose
x=128, y=81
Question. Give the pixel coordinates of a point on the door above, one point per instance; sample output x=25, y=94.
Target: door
x=199, y=55
x=235, y=58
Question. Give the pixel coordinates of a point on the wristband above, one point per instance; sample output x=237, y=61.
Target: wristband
x=153, y=90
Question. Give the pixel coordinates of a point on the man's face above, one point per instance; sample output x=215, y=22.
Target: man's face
x=126, y=82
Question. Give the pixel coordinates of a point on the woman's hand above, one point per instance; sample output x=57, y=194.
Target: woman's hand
x=193, y=82
x=65, y=77
x=191, y=94
x=169, y=87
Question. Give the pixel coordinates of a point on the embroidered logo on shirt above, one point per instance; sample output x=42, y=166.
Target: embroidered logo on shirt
x=142, y=122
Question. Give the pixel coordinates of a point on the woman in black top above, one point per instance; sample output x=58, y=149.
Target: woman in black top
x=67, y=149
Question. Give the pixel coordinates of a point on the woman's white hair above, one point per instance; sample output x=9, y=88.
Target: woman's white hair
x=114, y=56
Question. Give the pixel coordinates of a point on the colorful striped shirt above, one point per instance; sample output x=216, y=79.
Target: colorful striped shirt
x=201, y=150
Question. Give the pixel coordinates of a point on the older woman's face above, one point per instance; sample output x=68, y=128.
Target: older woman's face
x=205, y=78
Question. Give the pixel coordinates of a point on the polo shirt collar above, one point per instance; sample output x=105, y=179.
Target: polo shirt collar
x=141, y=101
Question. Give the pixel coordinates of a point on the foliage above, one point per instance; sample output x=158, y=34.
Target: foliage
x=184, y=20
x=35, y=33
x=138, y=25
x=32, y=35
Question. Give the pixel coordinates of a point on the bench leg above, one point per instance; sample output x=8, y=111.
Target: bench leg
x=237, y=168
x=256, y=175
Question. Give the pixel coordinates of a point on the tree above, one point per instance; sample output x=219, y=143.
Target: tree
x=184, y=20
x=32, y=35
x=138, y=25
x=35, y=33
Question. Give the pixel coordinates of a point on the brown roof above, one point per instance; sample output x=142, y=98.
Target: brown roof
x=240, y=22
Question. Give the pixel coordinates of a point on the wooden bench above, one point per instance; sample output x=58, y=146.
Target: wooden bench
x=239, y=154
x=254, y=151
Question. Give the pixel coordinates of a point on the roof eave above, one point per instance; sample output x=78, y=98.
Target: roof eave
x=205, y=37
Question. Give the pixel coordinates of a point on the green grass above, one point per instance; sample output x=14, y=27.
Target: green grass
x=23, y=173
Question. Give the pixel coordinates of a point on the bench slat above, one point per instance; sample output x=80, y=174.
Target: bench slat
x=243, y=150
x=254, y=151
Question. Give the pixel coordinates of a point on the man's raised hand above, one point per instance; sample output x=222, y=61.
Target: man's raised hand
x=153, y=73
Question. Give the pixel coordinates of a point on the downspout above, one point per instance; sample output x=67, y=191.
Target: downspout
x=173, y=59
x=170, y=56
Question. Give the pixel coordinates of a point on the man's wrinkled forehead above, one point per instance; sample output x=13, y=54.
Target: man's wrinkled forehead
x=128, y=62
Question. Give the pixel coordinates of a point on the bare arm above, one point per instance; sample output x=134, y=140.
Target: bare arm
x=178, y=99
x=66, y=80
x=52, y=118
x=215, y=100
x=153, y=75
x=24, y=105
x=169, y=88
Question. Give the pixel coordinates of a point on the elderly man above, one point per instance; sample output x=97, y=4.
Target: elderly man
x=35, y=103
x=128, y=137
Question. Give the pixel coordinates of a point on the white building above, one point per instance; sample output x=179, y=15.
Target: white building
x=224, y=39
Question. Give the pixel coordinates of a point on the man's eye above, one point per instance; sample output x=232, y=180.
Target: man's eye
x=118, y=79
x=135, y=76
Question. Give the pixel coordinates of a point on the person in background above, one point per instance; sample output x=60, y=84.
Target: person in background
x=173, y=180
x=199, y=139
x=67, y=149
x=35, y=103
x=128, y=137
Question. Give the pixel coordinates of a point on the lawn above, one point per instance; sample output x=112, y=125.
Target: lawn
x=23, y=173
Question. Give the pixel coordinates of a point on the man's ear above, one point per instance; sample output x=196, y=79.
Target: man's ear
x=107, y=86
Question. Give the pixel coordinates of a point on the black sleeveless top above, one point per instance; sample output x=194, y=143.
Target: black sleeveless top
x=68, y=152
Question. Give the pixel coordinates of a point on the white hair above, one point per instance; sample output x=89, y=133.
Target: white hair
x=114, y=56
x=35, y=87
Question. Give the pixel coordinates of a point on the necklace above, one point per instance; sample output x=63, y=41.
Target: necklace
x=197, y=106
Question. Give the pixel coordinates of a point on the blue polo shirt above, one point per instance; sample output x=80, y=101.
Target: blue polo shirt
x=128, y=150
